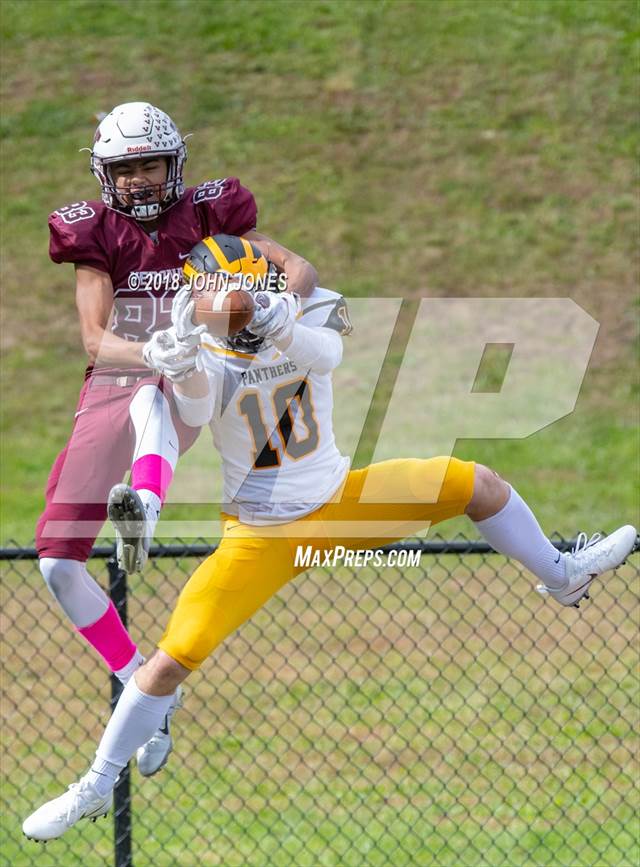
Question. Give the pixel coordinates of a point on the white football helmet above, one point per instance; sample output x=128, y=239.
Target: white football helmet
x=137, y=130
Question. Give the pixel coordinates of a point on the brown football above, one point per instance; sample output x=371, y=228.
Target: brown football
x=223, y=312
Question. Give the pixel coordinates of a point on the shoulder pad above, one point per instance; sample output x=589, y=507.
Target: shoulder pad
x=326, y=309
x=75, y=235
x=229, y=207
x=209, y=191
x=75, y=213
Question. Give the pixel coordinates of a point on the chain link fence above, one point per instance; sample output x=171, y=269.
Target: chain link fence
x=439, y=714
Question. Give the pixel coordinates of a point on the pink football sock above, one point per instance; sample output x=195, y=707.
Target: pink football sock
x=152, y=473
x=110, y=639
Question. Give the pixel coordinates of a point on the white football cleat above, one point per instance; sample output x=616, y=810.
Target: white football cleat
x=153, y=755
x=589, y=559
x=129, y=518
x=80, y=801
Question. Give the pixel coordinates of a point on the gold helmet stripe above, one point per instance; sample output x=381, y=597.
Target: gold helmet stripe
x=189, y=271
x=249, y=250
x=216, y=249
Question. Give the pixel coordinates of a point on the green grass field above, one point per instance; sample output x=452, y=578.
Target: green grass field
x=463, y=148
x=406, y=148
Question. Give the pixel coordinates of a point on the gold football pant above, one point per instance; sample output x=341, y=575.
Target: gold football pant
x=252, y=563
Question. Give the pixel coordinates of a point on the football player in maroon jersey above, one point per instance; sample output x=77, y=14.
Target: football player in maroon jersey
x=127, y=251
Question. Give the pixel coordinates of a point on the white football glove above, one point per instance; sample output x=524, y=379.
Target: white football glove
x=181, y=312
x=173, y=359
x=274, y=315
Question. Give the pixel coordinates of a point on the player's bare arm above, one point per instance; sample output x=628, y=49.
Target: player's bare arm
x=94, y=300
x=302, y=277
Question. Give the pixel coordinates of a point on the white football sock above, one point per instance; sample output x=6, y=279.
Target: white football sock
x=515, y=532
x=152, y=506
x=103, y=776
x=124, y=674
x=135, y=718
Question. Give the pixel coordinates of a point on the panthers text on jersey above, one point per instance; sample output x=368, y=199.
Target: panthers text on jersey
x=146, y=270
x=273, y=425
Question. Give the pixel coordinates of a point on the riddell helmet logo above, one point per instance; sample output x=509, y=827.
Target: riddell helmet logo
x=138, y=148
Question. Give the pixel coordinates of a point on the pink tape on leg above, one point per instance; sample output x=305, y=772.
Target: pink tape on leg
x=153, y=473
x=110, y=639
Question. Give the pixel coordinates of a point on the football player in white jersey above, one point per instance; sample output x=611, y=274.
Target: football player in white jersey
x=268, y=398
x=272, y=421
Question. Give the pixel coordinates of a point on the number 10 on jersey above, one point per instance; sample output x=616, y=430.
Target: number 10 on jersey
x=291, y=401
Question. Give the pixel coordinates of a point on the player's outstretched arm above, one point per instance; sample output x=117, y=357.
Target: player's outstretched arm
x=302, y=277
x=313, y=348
x=195, y=398
x=178, y=362
x=94, y=300
x=193, y=390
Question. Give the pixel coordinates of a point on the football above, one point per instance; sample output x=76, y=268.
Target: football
x=224, y=312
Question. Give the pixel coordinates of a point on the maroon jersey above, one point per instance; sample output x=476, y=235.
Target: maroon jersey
x=146, y=271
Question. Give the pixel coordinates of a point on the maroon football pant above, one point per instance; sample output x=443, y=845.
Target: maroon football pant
x=96, y=457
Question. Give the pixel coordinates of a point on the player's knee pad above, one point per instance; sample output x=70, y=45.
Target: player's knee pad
x=198, y=625
x=81, y=598
x=191, y=645
x=58, y=574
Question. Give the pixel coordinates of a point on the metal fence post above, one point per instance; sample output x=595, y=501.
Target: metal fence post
x=122, y=791
x=399, y=697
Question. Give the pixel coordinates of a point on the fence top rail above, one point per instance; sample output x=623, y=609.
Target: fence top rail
x=201, y=548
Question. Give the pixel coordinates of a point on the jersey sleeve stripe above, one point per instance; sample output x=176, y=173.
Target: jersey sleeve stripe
x=219, y=350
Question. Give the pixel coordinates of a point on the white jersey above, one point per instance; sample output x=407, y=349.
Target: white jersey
x=272, y=424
